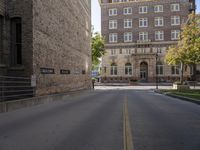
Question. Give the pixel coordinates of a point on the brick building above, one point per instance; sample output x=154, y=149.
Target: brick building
x=137, y=35
x=48, y=40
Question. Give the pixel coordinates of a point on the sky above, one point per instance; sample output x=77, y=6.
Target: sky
x=96, y=14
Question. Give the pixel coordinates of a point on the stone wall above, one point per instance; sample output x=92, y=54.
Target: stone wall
x=61, y=41
x=23, y=10
x=2, y=7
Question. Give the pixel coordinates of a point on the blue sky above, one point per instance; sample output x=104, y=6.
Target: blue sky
x=96, y=14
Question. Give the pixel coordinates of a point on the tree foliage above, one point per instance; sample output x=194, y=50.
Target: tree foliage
x=98, y=49
x=187, y=51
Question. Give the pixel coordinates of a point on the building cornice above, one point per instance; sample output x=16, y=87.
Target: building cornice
x=130, y=2
x=151, y=43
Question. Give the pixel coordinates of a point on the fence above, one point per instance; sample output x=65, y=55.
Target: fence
x=13, y=88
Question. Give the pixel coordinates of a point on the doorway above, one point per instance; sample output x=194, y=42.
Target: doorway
x=144, y=71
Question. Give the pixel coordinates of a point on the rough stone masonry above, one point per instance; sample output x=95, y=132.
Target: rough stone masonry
x=55, y=43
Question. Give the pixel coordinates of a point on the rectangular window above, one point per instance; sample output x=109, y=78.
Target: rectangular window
x=128, y=51
x=16, y=41
x=113, y=52
x=159, y=21
x=128, y=37
x=175, y=70
x=159, y=69
x=143, y=22
x=1, y=39
x=159, y=35
x=112, y=24
x=143, y=36
x=143, y=9
x=175, y=34
x=175, y=7
x=127, y=11
x=158, y=8
x=175, y=20
x=113, y=37
x=128, y=23
x=113, y=12
x=113, y=70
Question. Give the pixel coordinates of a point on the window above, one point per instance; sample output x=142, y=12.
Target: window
x=128, y=69
x=191, y=70
x=175, y=20
x=143, y=9
x=175, y=7
x=158, y=8
x=128, y=51
x=159, y=35
x=112, y=24
x=113, y=37
x=127, y=11
x=113, y=12
x=16, y=41
x=159, y=21
x=143, y=22
x=175, y=70
x=159, y=68
x=1, y=39
x=113, y=69
x=143, y=36
x=128, y=37
x=117, y=1
x=175, y=34
x=127, y=23
x=113, y=52
x=159, y=50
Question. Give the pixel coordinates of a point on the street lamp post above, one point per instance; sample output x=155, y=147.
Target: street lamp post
x=156, y=71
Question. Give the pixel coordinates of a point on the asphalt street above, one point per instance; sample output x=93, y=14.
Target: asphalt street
x=95, y=121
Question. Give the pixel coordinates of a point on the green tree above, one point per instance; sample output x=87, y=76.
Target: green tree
x=98, y=48
x=187, y=51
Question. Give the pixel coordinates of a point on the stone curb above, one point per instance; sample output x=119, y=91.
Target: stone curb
x=179, y=97
x=8, y=106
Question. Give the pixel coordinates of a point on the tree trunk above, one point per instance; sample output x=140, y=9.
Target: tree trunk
x=182, y=71
x=194, y=72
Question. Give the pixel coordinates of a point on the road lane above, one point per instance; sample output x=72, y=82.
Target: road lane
x=91, y=123
x=163, y=123
x=94, y=121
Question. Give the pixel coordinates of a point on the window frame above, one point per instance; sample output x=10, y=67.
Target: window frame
x=159, y=34
x=113, y=24
x=113, y=38
x=113, y=12
x=143, y=9
x=126, y=11
x=158, y=8
x=143, y=22
x=128, y=37
x=128, y=23
x=128, y=71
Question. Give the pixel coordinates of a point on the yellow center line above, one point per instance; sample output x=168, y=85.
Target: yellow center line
x=127, y=134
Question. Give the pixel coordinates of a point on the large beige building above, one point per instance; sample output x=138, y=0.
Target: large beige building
x=47, y=40
x=137, y=35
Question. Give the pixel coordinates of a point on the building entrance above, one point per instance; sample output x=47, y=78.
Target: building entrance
x=144, y=71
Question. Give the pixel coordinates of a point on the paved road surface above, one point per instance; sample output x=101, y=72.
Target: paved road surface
x=95, y=121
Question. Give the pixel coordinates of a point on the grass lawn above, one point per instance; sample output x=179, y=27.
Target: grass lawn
x=195, y=94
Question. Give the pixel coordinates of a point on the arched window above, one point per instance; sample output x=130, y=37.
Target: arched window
x=159, y=68
x=113, y=69
x=128, y=69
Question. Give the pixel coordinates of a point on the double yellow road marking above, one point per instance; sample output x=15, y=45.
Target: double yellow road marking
x=127, y=134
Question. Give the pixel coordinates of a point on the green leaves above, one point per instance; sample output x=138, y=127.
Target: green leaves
x=98, y=49
x=188, y=48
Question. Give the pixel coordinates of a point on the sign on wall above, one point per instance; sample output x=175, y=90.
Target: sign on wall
x=47, y=71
